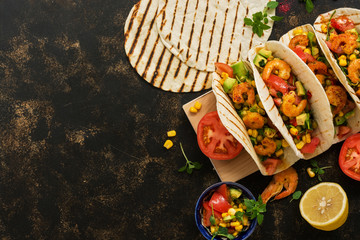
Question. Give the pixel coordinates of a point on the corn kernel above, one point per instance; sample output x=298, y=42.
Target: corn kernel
x=341, y=114
x=352, y=57
x=245, y=220
x=231, y=211
x=284, y=143
x=254, y=133
x=294, y=131
x=300, y=145
x=239, y=228
x=307, y=50
x=235, y=233
x=234, y=224
x=171, y=133
x=222, y=224
x=250, y=132
x=324, y=28
x=310, y=172
x=193, y=110
x=261, y=105
x=308, y=138
x=239, y=210
x=197, y=105
x=303, y=138
x=168, y=144
x=298, y=31
x=276, y=72
x=224, y=75
x=253, y=84
x=279, y=153
x=224, y=214
x=342, y=62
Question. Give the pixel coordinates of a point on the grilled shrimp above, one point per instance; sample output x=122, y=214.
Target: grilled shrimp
x=289, y=108
x=277, y=64
x=287, y=178
x=266, y=148
x=299, y=40
x=253, y=120
x=337, y=97
x=318, y=67
x=243, y=92
x=353, y=70
x=345, y=41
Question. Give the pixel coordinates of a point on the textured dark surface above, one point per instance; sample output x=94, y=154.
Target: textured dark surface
x=81, y=134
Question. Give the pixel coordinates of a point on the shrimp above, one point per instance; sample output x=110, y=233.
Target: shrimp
x=287, y=178
x=289, y=108
x=253, y=120
x=345, y=42
x=277, y=64
x=301, y=40
x=266, y=148
x=318, y=67
x=337, y=97
x=243, y=89
x=353, y=71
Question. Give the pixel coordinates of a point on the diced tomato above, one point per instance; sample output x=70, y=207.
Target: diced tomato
x=338, y=50
x=223, y=190
x=219, y=203
x=349, y=158
x=342, y=23
x=277, y=83
x=343, y=130
x=306, y=57
x=207, y=212
x=309, y=58
x=291, y=80
x=277, y=101
x=308, y=94
x=222, y=67
x=310, y=147
x=270, y=165
x=293, y=122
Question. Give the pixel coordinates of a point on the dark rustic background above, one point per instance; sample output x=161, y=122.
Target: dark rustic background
x=81, y=134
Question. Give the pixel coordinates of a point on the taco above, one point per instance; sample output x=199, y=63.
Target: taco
x=294, y=97
x=338, y=34
x=242, y=113
x=346, y=116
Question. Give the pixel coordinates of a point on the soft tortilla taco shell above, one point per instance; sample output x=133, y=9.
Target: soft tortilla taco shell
x=353, y=14
x=322, y=115
x=353, y=122
x=234, y=124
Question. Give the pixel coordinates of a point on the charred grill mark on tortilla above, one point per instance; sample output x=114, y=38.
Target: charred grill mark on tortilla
x=202, y=29
x=196, y=78
x=145, y=43
x=207, y=78
x=139, y=29
x=192, y=30
x=136, y=8
x=211, y=38
x=182, y=87
x=150, y=58
x=222, y=34
x=167, y=69
x=173, y=20
x=232, y=34
x=157, y=67
x=243, y=32
x=251, y=40
x=187, y=72
x=183, y=23
x=163, y=12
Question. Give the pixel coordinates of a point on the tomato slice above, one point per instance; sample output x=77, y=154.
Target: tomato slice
x=207, y=212
x=222, y=67
x=271, y=164
x=223, y=190
x=310, y=147
x=349, y=158
x=277, y=83
x=214, y=139
x=219, y=203
x=342, y=23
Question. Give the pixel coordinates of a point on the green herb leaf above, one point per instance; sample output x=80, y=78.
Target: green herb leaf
x=272, y=4
x=197, y=165
x=182, y=168
x=276, y=18
x=260, y=219
x=189, y=166
x=309, y=6
x=318, y=170
x=212, y=220
x=239, y=215
x=248, y=21
x=258, y=16
x=296, y=195
x=328, y=25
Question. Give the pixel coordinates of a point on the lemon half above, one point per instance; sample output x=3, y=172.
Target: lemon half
x=325, y=206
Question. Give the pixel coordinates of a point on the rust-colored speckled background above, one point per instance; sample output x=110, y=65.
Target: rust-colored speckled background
x=81, y=134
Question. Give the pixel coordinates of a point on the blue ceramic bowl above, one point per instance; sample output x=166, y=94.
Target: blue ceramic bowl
x=198, y=208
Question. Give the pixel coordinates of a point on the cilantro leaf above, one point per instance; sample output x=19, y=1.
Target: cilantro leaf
x=296, y=195
x=189, y=166
x=248, y=21
x=276, y=18
x=309, y=6
x=272, y=4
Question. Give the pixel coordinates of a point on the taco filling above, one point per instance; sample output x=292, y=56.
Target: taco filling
x=268, y=142
x=291, y=99
x=304, y=44
x=343, y=40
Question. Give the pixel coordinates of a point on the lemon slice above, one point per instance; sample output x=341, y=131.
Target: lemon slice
x=325, y=206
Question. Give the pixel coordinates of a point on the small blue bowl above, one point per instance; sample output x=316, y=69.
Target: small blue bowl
x=198, y=216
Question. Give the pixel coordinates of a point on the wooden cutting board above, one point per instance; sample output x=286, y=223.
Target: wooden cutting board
x=228, y=170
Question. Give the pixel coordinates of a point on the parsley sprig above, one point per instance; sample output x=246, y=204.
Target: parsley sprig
x=318, y=170
x=189, y=166
x=309, y=5
x=255, y=209
x=296, y=195
x=260, y=19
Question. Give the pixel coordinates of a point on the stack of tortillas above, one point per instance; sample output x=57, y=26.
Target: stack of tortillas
x=174, y=44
